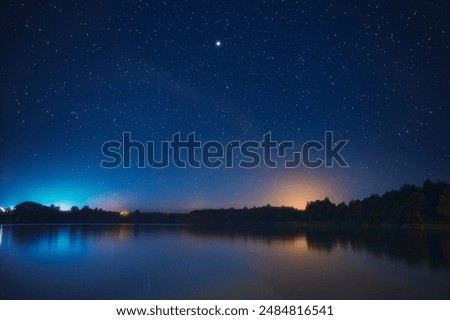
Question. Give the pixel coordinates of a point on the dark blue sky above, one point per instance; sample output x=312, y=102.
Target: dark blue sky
x=76, y=74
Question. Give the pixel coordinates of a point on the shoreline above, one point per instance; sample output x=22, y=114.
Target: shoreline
x=250, y=225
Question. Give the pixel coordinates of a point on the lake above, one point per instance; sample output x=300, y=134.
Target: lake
x=189, y=262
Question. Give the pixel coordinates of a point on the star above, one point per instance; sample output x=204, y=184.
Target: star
x=230, y=77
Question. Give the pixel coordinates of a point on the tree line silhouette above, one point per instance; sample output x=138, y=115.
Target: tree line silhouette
x=429, y=203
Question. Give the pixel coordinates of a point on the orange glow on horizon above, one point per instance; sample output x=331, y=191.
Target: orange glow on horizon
x=297, y=193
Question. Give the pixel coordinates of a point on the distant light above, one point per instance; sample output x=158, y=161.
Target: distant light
x=218, y=43
x=63, y=205
x=124, y=213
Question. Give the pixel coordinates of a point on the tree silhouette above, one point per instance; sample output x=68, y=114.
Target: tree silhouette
x=444, y=203
x=429, y=203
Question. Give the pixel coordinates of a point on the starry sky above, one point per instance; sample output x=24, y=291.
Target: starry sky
x=75, y=74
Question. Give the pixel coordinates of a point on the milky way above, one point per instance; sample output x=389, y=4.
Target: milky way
x=76, y=74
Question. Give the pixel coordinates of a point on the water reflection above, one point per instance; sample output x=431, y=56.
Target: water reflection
x=411, y=246
x=179, y=262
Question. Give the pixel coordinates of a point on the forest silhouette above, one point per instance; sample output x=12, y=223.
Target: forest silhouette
x=427, y=204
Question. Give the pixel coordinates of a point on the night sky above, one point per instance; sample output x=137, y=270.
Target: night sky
x=74, y=75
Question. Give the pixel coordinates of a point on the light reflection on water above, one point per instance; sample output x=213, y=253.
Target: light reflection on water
x=181, y=262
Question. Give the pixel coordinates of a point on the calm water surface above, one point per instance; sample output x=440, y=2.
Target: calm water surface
x=182, y=262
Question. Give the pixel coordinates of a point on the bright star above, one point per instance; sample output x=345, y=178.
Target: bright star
x=218, y=43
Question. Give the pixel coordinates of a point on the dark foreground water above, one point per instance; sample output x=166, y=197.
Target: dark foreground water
x=182, y=262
